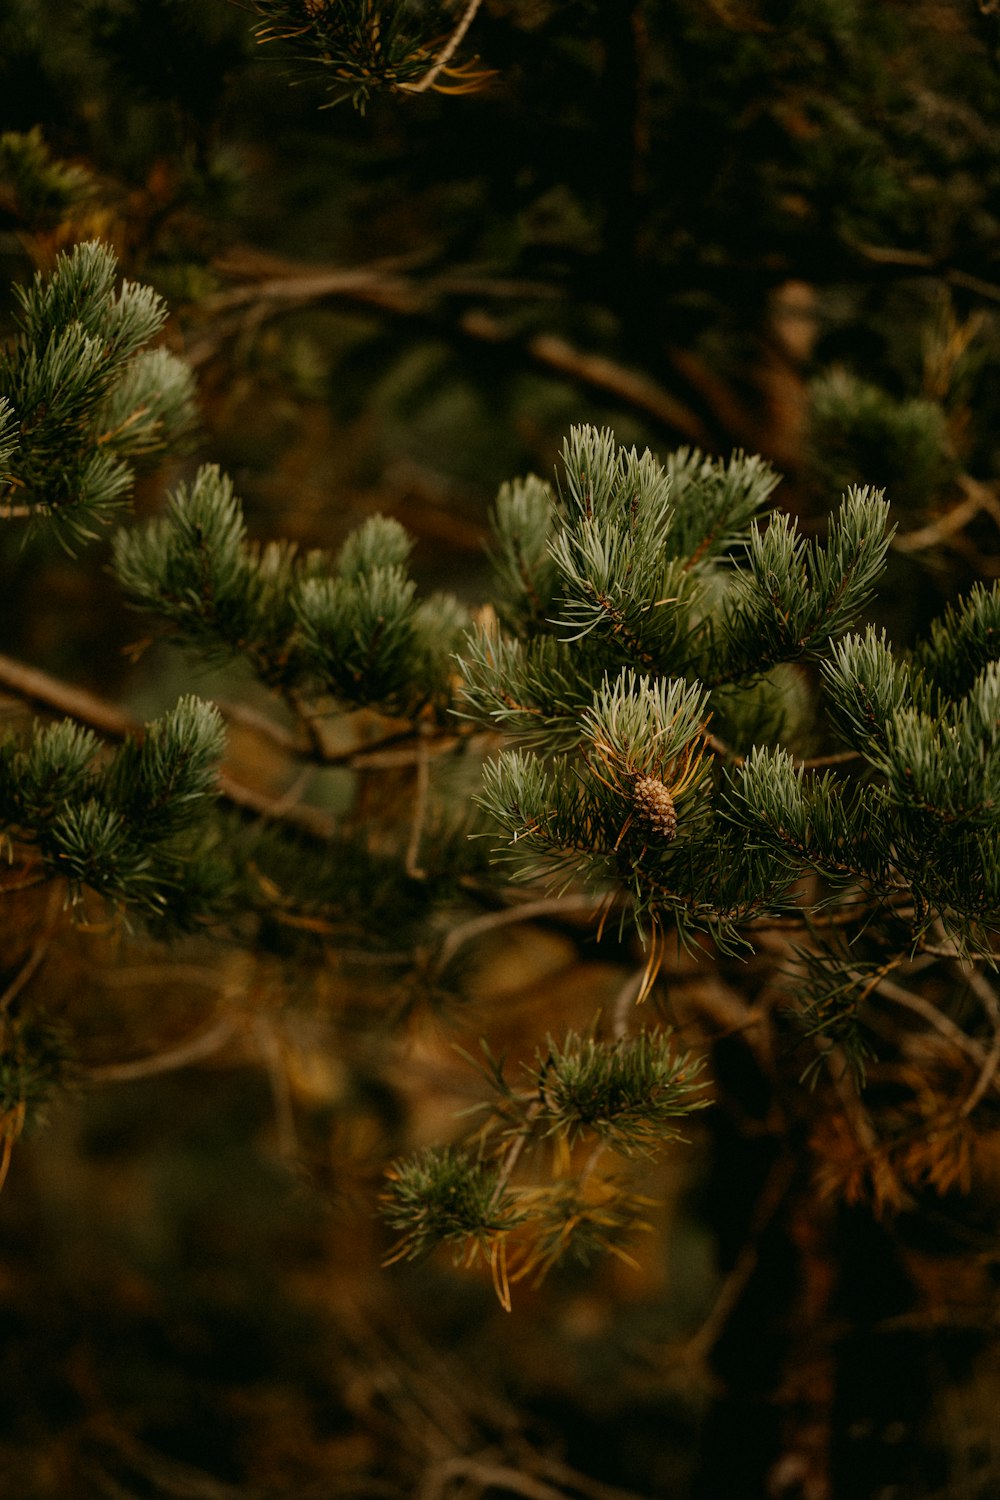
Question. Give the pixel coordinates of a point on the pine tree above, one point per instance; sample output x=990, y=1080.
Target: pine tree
x=668, y=657
x=669, y=654
x=710, y=742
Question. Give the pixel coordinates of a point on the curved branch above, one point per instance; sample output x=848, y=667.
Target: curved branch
x=44, y=691
x=202, y=1045
x=287, y=287
x=446, y=54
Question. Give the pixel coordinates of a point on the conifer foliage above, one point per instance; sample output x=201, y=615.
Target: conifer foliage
x=666, y=655
x=764, y=832
x=349, y=628
x=82, y=398
x=695, y=720
x=129, y=827
x=367, y=48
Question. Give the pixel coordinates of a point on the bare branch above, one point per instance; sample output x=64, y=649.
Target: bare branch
x=399, y=296
x=446, y=54
x=204, y=1044
x=527, y=911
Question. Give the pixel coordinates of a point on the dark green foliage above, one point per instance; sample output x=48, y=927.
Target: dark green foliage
x=866, y=686
x=161, y=782
x=196, y=567
x=363, y=47
x=86, y=397
x=808, y=820
x=698, y=736
x=628, y=1094
x=525, y=572
x=349, y=627
x=922, y=824
x=132, y=827
x=34, y=1065
x=962, y=642
x=41, y=189
x=795, y=596
x=595, y=579
x=445, y=1196
x=860, y=433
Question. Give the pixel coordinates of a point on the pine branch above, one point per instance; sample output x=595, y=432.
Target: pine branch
x=132, y=828
x=309, y=625
x=38, y=188
x=55, y=696
x=795, y=597
x=396, y=49
x=628, y=1097
x=81, y=399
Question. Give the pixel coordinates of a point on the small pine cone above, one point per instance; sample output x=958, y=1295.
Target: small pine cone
x=653, y=807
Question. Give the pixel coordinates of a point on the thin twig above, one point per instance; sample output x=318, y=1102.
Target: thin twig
x=411, y=863
x=920, y=263
x=446, y=54
x=195, y=1049
x=527, y=911
x=487, y=1477
x=985, y=494
x=45, y=691
x=722, y=750
x=936, y=1018
x=277, y=1072
x=400, y=297
x=978, y=497
x=624, y=1003
x=514, y=1151
x=290, y=798
x=808, y=919
x=986, y=995
x=24, y=975
x=377, y=759
x=810, y=763
x=950, y=950
x=700, y=1345
x=608, y=378
x=260, y=724
x=820, y=762
x=940, y=529
x=312, y=821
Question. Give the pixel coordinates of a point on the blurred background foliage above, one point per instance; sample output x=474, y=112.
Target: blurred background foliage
x=727, y=224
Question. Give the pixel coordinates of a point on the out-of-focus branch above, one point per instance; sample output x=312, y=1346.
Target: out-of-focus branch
x=195, y=1049
x=384, y=287
x=918, y=262
x=44, y=691
x=979, y=498
x=39, y=688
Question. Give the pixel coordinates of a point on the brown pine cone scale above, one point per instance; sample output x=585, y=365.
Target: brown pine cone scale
x=653, y=807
